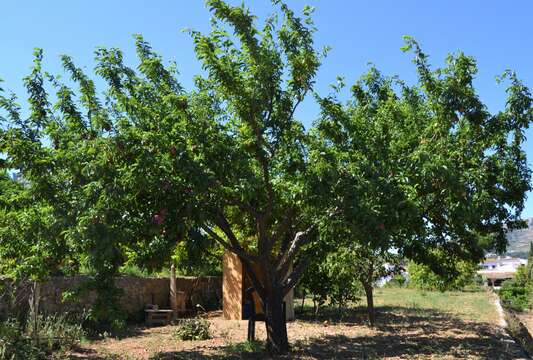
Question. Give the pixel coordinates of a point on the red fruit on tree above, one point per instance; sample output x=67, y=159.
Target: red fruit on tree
x=158, y=219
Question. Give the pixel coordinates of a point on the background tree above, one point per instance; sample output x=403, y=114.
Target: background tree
x=103, y=179
x=199, y=255
x=328, y=278
x=368, y=266
x=425, y=170
x=422, y=277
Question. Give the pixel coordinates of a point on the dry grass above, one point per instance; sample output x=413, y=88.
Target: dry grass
x=412, y=324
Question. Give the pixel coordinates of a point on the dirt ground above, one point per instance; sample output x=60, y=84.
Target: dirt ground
x=527, y=319
x=419, y=331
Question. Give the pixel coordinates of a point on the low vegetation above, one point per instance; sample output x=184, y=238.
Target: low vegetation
x=517, y=294
x=422, y=277
x=193, y=329
x=55, y=336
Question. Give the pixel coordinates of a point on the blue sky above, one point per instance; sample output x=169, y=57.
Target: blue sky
x=497, y=33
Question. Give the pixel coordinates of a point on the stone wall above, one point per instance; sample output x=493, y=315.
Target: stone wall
x=137, y=292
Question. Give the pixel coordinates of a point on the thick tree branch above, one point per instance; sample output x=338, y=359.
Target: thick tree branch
x=295, y=276
x=235, y=249
x=284, y=262
x=223, y=224
x=286, y=257
x=244, y=257
x=282, y=229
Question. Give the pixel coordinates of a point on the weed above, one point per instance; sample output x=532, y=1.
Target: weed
x=193, y=329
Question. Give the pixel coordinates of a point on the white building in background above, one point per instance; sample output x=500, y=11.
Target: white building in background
x=495, y=270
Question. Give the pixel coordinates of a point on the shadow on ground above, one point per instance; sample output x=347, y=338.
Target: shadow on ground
x=408, y=332
x=402, y=332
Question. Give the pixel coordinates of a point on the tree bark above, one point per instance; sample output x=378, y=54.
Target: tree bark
x=276, y=326
x=369, y=291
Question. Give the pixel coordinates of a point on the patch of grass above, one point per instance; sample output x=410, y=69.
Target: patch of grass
x=468, y=305
x=245, y=348
x=473, y=304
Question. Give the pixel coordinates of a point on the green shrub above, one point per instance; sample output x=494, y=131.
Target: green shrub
x=422, y=277
x=397, y=281
x=516, y=293
x=54, y=336
x=249, y=348
x=101, y=320
x=57, y=333
x=193, y=329
x=514, y=296
x=15, y=344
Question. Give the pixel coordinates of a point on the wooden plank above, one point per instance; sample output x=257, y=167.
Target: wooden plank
x=232, y=287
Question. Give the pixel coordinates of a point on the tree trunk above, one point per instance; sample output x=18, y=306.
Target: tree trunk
x=276, y=326
x=370, y=304
x=34, y=310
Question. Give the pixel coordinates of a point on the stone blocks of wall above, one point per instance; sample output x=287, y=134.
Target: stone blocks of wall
x=137, y=293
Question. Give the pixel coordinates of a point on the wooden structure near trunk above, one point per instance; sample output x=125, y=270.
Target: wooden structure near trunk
x=177, y=299
x=234, y=285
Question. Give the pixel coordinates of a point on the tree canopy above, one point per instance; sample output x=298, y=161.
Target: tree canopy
x=132, y=173
x=427, y=167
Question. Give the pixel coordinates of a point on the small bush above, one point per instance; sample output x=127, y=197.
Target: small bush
x=15, y=344
x=193, y=329
x=422, y=277
x=100, y=321
x=397, y=281
x=517, y=293
x=514, y=295
x=57, y=333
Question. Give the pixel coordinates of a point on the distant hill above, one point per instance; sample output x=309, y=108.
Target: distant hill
x=519, y=240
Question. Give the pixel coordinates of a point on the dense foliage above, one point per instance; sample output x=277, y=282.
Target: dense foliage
x=149, y=172
x=329, y=281
x=424, y=171
x=130, y=175
x=422, y=277
x=93, y=172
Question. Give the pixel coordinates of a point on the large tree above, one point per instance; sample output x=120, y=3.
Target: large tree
x=253, y=152
x=425, y=170
x=134, y=172
x=102, y=179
